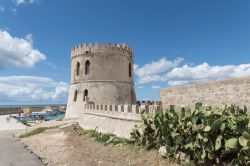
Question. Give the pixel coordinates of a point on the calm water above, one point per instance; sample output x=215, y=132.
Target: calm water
x=57, y=117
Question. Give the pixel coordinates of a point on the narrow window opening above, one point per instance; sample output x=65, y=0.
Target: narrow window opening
x=129, y=70
x=77, y=68
x=87, y=67
x=85, y=94
x=75, y=95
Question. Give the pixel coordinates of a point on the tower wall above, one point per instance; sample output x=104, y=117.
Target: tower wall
x=107, y=81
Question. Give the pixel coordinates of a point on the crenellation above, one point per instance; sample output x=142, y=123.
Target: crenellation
x=120, y=108
x=101, y=52
x=127, y=108
x=116, y=108
x=104, y=47
x=154, y=109
x=151, y=109
x=113, y=107
x=134, y=109
x=143, y=107
x=110, y=108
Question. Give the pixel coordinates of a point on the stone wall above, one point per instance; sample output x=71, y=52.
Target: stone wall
x=6, y=111
x=230, y=91
x=115, y=119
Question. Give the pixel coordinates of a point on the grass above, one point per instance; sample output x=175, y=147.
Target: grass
x=33, y=132
x=101, y=137
x=109, y=139
x=60, y=119
x=27, y=124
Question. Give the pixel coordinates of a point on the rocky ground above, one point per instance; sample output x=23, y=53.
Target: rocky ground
x=61, y=146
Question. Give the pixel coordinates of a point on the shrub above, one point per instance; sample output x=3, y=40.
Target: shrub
x=203, y=135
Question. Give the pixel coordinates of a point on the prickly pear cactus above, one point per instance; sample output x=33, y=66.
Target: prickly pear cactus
x=203, y=135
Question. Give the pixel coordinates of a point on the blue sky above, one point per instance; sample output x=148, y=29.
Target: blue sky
x=175, y=42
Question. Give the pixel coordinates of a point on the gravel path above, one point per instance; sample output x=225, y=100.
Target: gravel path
x=62, y=147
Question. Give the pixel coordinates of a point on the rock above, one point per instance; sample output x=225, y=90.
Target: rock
x=181, y=156
x=163, y=151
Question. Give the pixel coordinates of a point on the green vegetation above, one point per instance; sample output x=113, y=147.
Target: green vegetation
x=27, y=124
x=32, y=132
x=202, y=136
x=100, y=137
x=61, y=119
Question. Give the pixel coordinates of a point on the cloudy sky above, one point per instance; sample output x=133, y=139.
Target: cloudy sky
x=175, y=42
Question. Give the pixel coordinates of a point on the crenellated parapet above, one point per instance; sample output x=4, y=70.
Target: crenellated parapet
x=91, y=49
x=149, y=102
x=122, y=112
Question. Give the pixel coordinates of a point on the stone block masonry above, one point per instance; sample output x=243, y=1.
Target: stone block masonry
x=103, y=73
x=116, y=119
x=230, y=91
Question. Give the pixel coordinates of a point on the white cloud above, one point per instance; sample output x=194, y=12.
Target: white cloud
x=18, y=52
x=155, y=67
x=135, y=67
x=31, y=88
x=2, y=8
x=22, y=2
x=187, y=74
x=151, y=71
x=140, y=87
x=29, y=38
x=156, y=87
x=204, y=72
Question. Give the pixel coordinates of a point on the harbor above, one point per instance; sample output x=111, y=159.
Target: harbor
x=11, y=117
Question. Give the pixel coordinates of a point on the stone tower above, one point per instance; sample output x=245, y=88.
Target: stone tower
x=101, y=74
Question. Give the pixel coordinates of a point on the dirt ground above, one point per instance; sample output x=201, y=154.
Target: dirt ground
x=63, y=147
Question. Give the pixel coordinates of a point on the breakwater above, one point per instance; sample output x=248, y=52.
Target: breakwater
x=13, y=110
x=5, y=110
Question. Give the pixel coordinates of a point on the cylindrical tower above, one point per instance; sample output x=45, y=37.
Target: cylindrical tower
x=101, y=73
